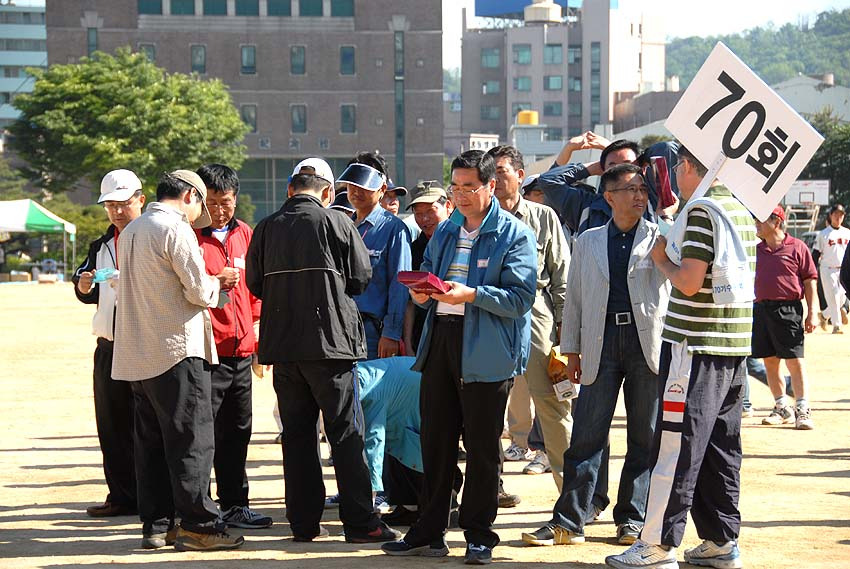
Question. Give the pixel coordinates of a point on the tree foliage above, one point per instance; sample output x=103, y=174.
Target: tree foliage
x=832, y=160
x=775, y=54
x=11, y=183
x=122, y=111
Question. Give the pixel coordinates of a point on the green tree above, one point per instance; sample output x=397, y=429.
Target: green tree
x=651, y=139
x=774, y=54
x=245, y=208
x=832, y=160
x=11, y=183
x=122, y=111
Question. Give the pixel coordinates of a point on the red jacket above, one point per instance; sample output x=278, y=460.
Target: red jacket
x=233, y=325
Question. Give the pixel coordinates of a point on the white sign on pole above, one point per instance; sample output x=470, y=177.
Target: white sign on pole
x=730, y=119
x=808, y=192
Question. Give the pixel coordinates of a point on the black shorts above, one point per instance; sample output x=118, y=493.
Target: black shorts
x=778, y=329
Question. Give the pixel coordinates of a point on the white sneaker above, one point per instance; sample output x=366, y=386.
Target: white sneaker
x=538, y=465
x=709, y=554
x=643, y=555
x=780, y=415
x=804, y=419
x=516, y=453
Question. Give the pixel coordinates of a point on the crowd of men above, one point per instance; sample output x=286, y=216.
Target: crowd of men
x=547, y=280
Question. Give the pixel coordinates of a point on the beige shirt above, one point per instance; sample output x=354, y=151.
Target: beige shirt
x=553, y=258
x=164, y=291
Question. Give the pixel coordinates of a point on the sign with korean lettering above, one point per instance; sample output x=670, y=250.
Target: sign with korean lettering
x=728, y=111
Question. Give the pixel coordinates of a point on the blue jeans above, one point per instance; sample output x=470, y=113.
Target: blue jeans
x=622, y=362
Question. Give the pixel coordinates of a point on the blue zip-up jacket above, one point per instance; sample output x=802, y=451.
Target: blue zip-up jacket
x=503, y=271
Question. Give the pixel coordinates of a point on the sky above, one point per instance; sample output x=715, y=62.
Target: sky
x=681, y=18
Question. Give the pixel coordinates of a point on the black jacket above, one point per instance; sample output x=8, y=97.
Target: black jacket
x=306, y=263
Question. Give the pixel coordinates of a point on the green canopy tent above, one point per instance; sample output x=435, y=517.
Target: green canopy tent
x=28, y=216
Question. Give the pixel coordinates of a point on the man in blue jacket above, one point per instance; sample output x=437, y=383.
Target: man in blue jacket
x=475, y=340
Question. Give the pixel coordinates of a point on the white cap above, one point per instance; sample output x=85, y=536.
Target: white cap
x=320, y=169
x=119, y=186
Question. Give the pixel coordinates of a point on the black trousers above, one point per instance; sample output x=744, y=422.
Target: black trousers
x=449, y=407
x=231, y=407
x=697, y=447
x=402, y=484
x=303, y=389
x=174, y=449
x=113, y=411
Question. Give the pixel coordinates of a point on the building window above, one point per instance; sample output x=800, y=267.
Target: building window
x=490, y=112
x=594, y=84
x=342, y=8
x=491, y=87
x=215, y=7
x=311, y=8
x=91, y=40
x=574, y=84
x=522, y=83
x=490, y=57
x=575, y=108
x=595, y=56
x=150, y=6
x=149, y=50
x=35, y=45
x=183, y=7
x=522, y=53
x=348, y=119
x=554, y=133
x=249, y=116
x=574, y=54
x=279, y=7
x=553, y=82
x=594, y=111
x=399, y=53
x=553, y=54
x=553, y=109
x=346, y=60
x=249, y=60
x=298, y=115
x=247, y=7
x=517, y=107
x=199, y=59
x=297, y=60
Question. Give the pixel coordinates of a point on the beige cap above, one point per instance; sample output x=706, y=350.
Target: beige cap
x=427, y=192
x=191, y=178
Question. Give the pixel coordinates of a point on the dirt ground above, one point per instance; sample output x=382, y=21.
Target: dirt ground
x=795, y=500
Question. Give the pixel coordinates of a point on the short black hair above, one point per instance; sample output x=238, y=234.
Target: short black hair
x=307, y=182
x=621, y=144
x=685, y=154
x=613, y=174
x=373, y=159
x=219, y=178
x=171, y=187
x=510, y=152
x=476, y=160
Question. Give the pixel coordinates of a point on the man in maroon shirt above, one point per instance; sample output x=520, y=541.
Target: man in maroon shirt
x=785, y=273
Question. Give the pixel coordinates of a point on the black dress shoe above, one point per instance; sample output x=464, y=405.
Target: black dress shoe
x=109, y=510
x=401, y=516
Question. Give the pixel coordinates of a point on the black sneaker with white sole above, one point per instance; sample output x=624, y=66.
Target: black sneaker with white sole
x=478, y=554
x=436, y=548
x=245, y=518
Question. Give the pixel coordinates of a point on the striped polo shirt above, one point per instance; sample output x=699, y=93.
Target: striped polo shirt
x=459, y=268
x=709, y=328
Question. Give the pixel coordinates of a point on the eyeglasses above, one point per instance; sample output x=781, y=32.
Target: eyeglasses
x=222, y=207
x=463, y=193
x=633, y=190
x=679, y=163
x=115, y=206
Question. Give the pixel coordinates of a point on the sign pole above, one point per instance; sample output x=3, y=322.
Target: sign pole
x=709, y=177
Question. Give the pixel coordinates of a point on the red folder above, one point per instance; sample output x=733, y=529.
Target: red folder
x=423, y=282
